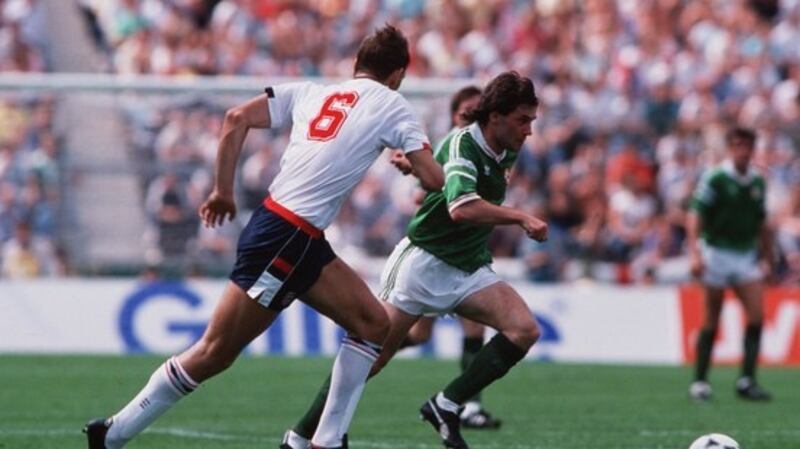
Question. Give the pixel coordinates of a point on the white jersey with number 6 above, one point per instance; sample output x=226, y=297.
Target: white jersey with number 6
x=337, y=133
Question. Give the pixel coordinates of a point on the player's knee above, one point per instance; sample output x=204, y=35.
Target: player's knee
x=373, y=326
x=524, y=334
x=381, y=330
x=418, y=336
x=532, y=333
x=755, y=317
x=235, y=116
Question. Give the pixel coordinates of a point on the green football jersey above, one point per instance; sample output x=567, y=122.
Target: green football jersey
x=472, y=170
x=731, y=207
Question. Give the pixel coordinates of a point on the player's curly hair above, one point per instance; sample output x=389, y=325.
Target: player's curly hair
x=383, y=52
x=503, y=95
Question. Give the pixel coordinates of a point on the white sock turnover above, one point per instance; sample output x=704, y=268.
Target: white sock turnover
x=166, y=386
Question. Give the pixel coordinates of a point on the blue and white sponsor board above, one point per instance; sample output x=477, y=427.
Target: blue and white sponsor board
x=580, y=322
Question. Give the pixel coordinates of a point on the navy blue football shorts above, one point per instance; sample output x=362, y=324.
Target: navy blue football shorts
x=279, y=256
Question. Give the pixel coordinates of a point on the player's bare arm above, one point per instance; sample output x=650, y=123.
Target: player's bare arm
x=694, y=224
x=482, y=212
x=238, y=120
x=426, y=169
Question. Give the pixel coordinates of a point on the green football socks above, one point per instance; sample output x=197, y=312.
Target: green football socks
x=308, y=423
x=491, y=363
x=470, y=348
x=752, y=342
x=705, y=342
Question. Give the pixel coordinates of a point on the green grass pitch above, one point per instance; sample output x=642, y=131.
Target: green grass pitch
x=44, y=401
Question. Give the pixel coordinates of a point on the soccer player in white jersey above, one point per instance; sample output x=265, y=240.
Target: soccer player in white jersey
x=337, y=133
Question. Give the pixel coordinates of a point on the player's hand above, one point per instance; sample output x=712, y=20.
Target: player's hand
x=400, y=162
x=696, y=266
x=535, y=228
x=216, y=208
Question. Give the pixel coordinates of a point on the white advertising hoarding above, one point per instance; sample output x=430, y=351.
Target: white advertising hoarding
x=581, y=323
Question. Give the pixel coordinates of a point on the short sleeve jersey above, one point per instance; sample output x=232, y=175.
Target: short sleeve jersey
x=337, y=133
x=472, y=171
x=731, y=207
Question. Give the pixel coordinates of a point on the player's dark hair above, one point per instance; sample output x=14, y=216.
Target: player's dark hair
x=503, y=95
x=383, y=52
x=741, y=133
x=464, y=94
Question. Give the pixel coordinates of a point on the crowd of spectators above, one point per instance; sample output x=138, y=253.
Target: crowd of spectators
x=636, y=97
x=29, y=153
x=30, y=176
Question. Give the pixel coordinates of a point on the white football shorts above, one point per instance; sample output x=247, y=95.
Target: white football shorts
x=725, y=267
x=419, y=283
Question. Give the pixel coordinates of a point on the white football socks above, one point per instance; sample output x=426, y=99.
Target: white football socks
x=167, y=385
x=350, y=371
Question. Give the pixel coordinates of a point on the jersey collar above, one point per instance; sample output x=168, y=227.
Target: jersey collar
x=475, y=130
x=727, y=166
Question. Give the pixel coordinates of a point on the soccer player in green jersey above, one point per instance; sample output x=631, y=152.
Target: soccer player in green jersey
x=473, y=415
x=443, y=266
x=725, y=229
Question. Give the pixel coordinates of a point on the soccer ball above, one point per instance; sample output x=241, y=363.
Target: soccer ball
x=714, y=441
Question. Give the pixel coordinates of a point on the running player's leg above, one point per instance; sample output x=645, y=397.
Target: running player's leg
x=308, y=424
x=236, y=321
x=497, y=305
x=500, y=307
x=751, y=295
x=473, y=415
x=342, y=295
x=712, y=298
x=303, y=431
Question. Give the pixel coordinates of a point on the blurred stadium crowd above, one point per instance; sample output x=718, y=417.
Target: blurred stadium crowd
x=636, y=97
x=29, y=154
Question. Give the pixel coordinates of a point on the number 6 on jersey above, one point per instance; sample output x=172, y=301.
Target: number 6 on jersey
x=333, y=113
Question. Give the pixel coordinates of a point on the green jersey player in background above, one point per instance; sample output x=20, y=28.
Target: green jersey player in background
x=727, y=233
x=443, y=266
